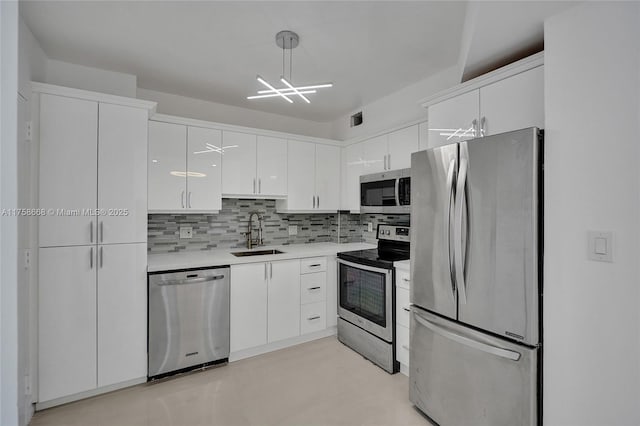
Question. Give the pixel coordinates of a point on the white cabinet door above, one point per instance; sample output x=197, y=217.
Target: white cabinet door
x=301, y=176
x=375, y=151
x=167, y=166
x=352, y=168
x=272, y=166
x=332, y=291
x=204, y=165
x=66, y=321
x=327, y=177
x=248, y=326
x=122, y=313
x=68, y=169
x=239, y=163
x=513, y=103
x=283, y=300
x=402, y=143
x=454, y=120
x=122, y=174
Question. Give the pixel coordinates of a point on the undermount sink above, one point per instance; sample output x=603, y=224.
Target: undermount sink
x=256, y=252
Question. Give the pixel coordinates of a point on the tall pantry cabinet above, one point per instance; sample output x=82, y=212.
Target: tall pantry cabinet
x=93, y=240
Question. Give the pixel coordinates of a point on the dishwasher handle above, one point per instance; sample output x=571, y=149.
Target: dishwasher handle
x=192, y=280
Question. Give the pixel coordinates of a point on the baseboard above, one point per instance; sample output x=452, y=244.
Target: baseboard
x=93, y=392
x=259, y=350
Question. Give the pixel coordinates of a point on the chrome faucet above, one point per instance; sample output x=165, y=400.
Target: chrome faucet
x=250, y=240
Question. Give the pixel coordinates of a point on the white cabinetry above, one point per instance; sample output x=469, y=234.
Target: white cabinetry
x=313, y=288
x=248, y=322
x=254, y=166
x=283, y=302
x=402, y=143
x=512, y=103
x=313, y=178
x=402, y=317
x=185, y=168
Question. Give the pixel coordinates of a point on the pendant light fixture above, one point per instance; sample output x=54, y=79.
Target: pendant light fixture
x=287, y=40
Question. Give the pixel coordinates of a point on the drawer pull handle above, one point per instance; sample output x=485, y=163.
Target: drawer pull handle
x=314, y=288
x=313, y=318
x=405, y=347
x=406, y=280
x=315, y=265
x=406, y=309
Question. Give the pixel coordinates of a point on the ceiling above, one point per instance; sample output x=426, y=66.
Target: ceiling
x=213, y=50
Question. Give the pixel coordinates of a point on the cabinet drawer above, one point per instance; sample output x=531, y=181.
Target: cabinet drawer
x=313, y=264
x=313, y=317
x=402, y=307
x=403, y=278
x=402, y=345
x=313, y=287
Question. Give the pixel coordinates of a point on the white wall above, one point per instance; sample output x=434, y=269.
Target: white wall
x=210, y=111
x=9, y=412
x=88, y=78
x=591, y=309
x=396, y=109
x=32, y=62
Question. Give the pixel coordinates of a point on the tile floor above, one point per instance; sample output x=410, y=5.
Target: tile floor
x=317, y=383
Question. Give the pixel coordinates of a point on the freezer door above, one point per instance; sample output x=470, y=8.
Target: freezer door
x=433, y=174
x=498, y=231
x=459, y=376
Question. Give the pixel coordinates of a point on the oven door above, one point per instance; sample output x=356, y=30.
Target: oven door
x=365, y=298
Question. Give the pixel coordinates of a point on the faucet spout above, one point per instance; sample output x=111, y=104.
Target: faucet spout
x=250, y=240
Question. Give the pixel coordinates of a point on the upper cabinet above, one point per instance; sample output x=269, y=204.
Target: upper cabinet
x=254, y=166
x=185, y=166
x=511, y=103
x=390, y=151
x=313, y=178
x=93, y=158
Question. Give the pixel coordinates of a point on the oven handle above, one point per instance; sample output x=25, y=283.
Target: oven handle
x=365, y=267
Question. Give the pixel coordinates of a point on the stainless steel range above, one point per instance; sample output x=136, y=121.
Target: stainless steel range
x=366, y=296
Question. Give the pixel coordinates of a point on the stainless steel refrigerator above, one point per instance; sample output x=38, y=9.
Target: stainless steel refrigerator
x=475, y=342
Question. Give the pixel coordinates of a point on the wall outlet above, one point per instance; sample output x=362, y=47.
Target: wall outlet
x=293, y=229
x=27, y=258
x=369, y=227
x=186, y=232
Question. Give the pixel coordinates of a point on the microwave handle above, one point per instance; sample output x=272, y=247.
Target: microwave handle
x=398, y=192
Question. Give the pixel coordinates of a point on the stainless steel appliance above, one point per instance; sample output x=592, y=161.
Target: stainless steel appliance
x=388, y=192
x=188, y=320
x=366, y=296
x=475, y=343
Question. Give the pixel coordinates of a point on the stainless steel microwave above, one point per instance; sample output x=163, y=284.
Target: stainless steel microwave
x=388, y=192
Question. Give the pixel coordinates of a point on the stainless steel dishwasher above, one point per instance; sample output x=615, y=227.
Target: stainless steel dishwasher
x=188, y=320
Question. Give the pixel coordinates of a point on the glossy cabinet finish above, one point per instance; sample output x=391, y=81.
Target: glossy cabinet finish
x=271, y=169
x=402, y=143
x=313, y=317
x=283, y=299
x=122, y=312
x=352, y=169
x=167, y=166
x=239, y=163
x=374, y=155
x=332, y=291
x=454, y=120
x=248, y=321
x=301, y=176
x=204, y=166
x=122, y=163
x=327, y=179
x=68, y=169
x=67, y=329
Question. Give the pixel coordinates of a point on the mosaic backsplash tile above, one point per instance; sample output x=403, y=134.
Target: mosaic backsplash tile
x=228, y=228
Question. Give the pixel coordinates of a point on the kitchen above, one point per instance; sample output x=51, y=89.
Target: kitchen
x=311, y=210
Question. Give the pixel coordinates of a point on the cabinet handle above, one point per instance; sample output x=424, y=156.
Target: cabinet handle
x=406, y=348
x=182, y=199
x=389, y=161
x=474, y=127
x=189, y=199
x=483, y=122
x=270, y=270
x=406, y=309
x=101, y=258
x=91, y=233
x=385, y=162
x=313, y=318
x=254, y=185
x=315, y=265
x=259, y=186
x=314, y=201
x=101, y=231
x=318, y=197
x=91, y=258
x=406, y=280
x=314, y=288
x=265, y=271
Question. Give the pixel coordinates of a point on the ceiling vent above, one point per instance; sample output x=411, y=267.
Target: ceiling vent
x=356, y=119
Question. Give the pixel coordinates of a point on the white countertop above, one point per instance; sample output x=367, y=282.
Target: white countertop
x=219, y=257
x=403, y=264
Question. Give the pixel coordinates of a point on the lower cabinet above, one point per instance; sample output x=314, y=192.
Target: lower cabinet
x=248, y=322
x=402, y=318
x=283, y=300
x=92, y=318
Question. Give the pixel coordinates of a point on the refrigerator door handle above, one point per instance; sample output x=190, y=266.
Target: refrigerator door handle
x=457, y=235
x=447, y=221
x=493, y=350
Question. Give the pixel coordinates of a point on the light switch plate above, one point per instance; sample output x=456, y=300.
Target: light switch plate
x=293, y=229
x=186, y=232
x=369, y=227
x=600, y=246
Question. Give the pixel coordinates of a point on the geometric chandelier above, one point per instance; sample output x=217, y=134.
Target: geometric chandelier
x=287, y=40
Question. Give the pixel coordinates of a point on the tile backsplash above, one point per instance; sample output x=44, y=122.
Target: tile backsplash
x=228, y=228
